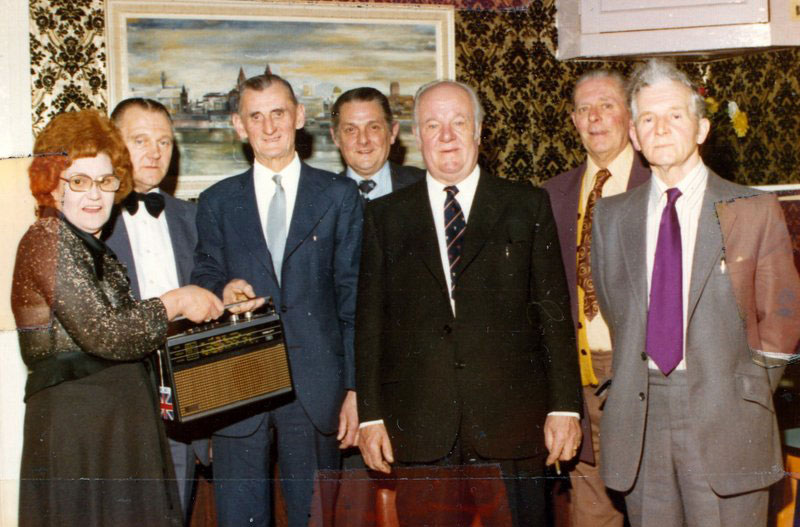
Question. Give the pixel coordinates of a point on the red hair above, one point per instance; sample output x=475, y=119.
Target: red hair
x=70, y=136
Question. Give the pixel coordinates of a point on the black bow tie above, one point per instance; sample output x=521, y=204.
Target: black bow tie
x=153, y=202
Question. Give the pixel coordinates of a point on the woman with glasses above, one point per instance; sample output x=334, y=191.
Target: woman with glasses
x=94, y=449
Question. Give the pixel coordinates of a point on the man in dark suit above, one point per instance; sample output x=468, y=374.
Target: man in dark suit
x=465, y=347
x=364, y=130
x=600, y=115
x=154, y=235
x=291, y=232
x=689, y=430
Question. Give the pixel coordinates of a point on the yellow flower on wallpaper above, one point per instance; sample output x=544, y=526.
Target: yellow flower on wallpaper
x=712, y=105
x=738, y=119
x=740, y=124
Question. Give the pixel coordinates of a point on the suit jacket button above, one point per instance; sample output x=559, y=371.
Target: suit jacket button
x=641, y=396
x=284, y=309
x=447, y=329
x=644, y=356
x=460, y=365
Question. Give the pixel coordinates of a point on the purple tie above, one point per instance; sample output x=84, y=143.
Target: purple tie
x=665, y=316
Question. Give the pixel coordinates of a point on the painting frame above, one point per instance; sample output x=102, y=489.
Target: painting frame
x=436, y=20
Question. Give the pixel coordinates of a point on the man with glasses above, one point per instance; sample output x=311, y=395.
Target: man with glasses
x=154, y=236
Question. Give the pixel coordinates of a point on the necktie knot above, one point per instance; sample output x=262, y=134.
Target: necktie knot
x=277, y=179
x=366, y=186
x=672, y=196
x=600, y=178
x=153, y=202
x=451, y=190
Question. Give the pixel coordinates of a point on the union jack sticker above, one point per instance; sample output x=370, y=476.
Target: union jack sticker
x=167, y=408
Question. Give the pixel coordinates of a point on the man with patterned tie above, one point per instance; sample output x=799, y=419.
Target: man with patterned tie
x=600, y=115
x=464, y=344
x=288, y=231
x=154, y=236
x=689, y=430
x=364, y=130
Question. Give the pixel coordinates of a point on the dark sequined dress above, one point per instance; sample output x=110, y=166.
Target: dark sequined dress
x=94, y=450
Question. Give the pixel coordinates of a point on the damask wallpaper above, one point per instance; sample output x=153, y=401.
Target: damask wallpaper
x=505, y=48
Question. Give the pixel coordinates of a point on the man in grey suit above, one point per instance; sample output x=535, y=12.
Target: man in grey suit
x=154, y=236
x=689, y=430
x=364, y=130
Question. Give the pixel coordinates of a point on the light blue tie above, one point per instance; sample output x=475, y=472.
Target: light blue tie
x=276, y=226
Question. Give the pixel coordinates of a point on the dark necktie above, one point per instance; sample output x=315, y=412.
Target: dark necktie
x=590, y=308
x=454, y=225
x=665, y=315
x=153, y=202
x=366, y=186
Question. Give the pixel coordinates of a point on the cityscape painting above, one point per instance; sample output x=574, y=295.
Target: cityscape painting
x=193, y=56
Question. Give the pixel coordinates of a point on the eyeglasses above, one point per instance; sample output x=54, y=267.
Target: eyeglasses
x=83, y=183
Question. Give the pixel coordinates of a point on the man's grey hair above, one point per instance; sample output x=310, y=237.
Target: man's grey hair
x=476, y=102
x=613, y=75
x=659, y=70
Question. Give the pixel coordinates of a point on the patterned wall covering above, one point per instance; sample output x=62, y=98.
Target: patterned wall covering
x=506, y=49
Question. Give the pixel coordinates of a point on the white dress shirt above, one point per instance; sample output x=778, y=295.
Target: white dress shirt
x=151, y=247
x=688, y=207
x=382, y=179
x=265, y=189
x=437, y=196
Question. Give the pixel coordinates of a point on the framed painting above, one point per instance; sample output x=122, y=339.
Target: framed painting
x=192, y=56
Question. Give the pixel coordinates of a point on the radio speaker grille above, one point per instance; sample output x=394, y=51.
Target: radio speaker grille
x=234, y=380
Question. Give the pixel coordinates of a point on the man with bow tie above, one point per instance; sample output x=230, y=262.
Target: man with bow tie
x=154, y=235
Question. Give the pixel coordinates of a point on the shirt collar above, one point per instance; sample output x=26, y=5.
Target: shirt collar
x=290, y=171
x=620, y=165
x=467, y=185
x=689, y=186
x=382, y=179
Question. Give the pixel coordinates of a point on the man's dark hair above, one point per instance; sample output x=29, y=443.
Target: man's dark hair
x=261, y=83
x=363, y=94
x=138, y=102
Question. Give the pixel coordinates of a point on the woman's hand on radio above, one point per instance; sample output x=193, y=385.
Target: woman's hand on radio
x=238, y=292
x=193, y=302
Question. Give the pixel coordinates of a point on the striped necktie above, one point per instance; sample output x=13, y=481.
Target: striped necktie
x=454, y=226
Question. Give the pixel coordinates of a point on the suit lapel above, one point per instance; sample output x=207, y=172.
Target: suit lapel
x=122, y=248
x=310, y=206
x=420, y=227
x=639, y=173
x=394, y=176
x=180, y=236
x=486, y=208
x=632, y=228
x=708, y=243
x=246, y=217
